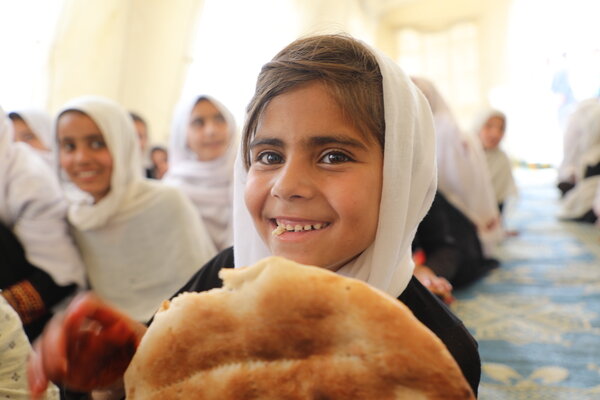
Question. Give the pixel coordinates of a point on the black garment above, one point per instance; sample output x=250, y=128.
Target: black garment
x=15, y=268
x=589, y=216
x=425, y=306
x=451, y=245
x=564, y=187
x=592, y=170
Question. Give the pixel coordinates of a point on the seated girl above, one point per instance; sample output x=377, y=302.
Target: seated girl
x=490, y=126
x=336, y=169
x=140, y=240
x=448, y=253
x=40, y=267
x=578, y=202
x=201, y=154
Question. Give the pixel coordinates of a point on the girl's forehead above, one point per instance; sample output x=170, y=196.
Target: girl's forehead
x=75, y=122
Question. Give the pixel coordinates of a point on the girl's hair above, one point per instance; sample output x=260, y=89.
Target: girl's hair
x=348, y=69
x=15, y=116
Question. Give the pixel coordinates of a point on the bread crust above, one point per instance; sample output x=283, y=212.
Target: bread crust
x=281, y=330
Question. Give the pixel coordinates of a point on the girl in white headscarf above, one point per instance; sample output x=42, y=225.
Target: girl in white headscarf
x=41, y=266
x=139, y=239
x=490, y=126
x=578, y=203
x=336, y=169
x=34, y=127
x=202, y=150
x=572, y=149
x=463, y=177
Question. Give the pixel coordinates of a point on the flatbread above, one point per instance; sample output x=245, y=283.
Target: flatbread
x=280, y=330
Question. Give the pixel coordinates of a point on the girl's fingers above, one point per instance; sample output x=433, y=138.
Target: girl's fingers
x=52, y=350
x=36, y=378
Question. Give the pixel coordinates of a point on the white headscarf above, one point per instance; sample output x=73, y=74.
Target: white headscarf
x=40, y=124
x=499, y=165
x=142, y=241
x=580, y=199
x=409, y=184
x=463, y=176
x=572, y=149
x=33, y=207
x=207, y=183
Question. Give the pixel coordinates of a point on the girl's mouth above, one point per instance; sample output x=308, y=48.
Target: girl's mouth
x=283, y=227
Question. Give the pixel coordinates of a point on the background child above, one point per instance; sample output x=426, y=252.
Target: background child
x=40, y=266
x=202, y=150
x=34, y=127
x=490, y=126
x=140, y=240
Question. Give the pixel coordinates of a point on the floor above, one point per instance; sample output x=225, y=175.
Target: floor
x=537, y=317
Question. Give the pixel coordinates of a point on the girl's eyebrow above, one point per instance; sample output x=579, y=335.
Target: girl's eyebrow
x=314, y=141
x=89, y=136
x=336, y=139
x=266, y=142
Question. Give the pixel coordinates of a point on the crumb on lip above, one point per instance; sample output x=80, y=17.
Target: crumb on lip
x=278, y=231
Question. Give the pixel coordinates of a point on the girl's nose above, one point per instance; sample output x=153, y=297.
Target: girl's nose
x=293, y=181
x=211, y=128
x=81, y=155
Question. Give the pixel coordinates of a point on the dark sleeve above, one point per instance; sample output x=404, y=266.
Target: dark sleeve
x=31, y=291
x=435, y=238
x=207, y=277
x=440, y=320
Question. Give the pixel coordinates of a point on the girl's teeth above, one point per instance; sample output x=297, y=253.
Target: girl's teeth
x=281, y=228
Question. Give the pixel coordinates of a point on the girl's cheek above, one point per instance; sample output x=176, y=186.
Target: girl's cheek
x=252, y=194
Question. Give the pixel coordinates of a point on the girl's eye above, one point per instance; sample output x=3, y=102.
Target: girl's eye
x=335, y=157
x=197, y=122
x=269, y=158
x=68, y=147
x=97, y=144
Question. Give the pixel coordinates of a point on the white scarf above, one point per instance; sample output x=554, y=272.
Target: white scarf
x=498, y=163
x=409, y=184
x=207, y=183
x=581, y=198
x=142, y=241
x=33, y=207
x=463, y=175
x=40, y=124
x=569, y=171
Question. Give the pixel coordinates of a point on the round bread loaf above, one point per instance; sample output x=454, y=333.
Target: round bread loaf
x=280, y=330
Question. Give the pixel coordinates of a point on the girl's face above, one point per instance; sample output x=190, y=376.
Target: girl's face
x=83, y=154
x=208, y=133
x=24, y=134
x=492, y=132
x=316, y=177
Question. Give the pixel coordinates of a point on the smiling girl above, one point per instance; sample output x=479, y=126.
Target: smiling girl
x=337, y=168
x=139, y=240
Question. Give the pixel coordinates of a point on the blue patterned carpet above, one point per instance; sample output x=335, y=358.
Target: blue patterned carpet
x=537, y=317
